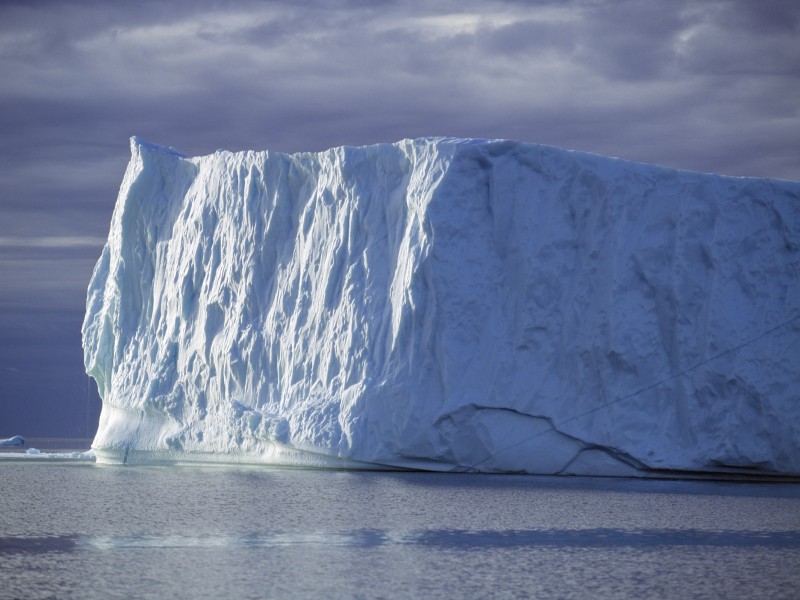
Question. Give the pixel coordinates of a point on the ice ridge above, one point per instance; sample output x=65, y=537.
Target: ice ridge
x=447, y=304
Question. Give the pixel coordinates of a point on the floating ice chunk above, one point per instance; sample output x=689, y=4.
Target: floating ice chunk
x=87, y=455
x=17, y=440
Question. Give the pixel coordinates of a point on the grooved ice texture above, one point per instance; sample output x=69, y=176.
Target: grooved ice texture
x=447, y=304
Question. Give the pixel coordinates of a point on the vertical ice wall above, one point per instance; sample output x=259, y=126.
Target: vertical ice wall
x=447, y=304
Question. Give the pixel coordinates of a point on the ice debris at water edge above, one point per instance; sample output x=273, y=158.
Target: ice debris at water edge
x=447, y=304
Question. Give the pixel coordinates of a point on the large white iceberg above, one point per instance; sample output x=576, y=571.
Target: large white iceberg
x=447, y=304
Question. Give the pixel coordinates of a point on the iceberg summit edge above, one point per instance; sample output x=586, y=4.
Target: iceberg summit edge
x=451, y=305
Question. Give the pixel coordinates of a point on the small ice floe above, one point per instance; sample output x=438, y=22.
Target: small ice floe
x=17, y=440
x=87, y=455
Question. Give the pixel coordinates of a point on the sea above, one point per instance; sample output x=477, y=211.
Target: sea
x=75, y=529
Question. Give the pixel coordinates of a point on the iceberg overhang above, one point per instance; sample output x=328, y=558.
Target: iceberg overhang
x=447, y=304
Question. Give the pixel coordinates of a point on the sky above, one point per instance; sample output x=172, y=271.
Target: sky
x=710, y=85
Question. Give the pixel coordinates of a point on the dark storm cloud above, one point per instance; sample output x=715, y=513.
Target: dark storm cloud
x=710, y=86
x=632, y=40
x=763, y=17
x=291, y=77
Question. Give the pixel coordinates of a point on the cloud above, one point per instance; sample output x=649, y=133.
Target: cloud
x=45, y=283
x=53, y=242
x=309, y=76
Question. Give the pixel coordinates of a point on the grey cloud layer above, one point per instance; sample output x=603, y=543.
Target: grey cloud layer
x=296, y=77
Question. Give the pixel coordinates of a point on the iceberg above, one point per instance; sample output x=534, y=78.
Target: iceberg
x=16, y=441
x=451, y=305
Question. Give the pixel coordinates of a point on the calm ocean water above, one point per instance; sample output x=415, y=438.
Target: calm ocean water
x=72, y=530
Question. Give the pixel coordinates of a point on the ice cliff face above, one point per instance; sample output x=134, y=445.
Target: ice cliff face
x=447, y=304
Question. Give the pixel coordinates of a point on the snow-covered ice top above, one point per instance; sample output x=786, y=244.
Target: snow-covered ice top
x=447, y=304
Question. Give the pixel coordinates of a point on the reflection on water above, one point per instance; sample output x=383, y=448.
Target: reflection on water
x=449, y=539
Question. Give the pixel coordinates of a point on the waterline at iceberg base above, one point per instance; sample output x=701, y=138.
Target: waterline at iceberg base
x=451, y=305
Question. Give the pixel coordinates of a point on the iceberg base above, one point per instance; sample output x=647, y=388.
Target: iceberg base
x=269, y=455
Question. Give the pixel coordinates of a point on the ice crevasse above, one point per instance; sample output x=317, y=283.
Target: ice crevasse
x=447, y=304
